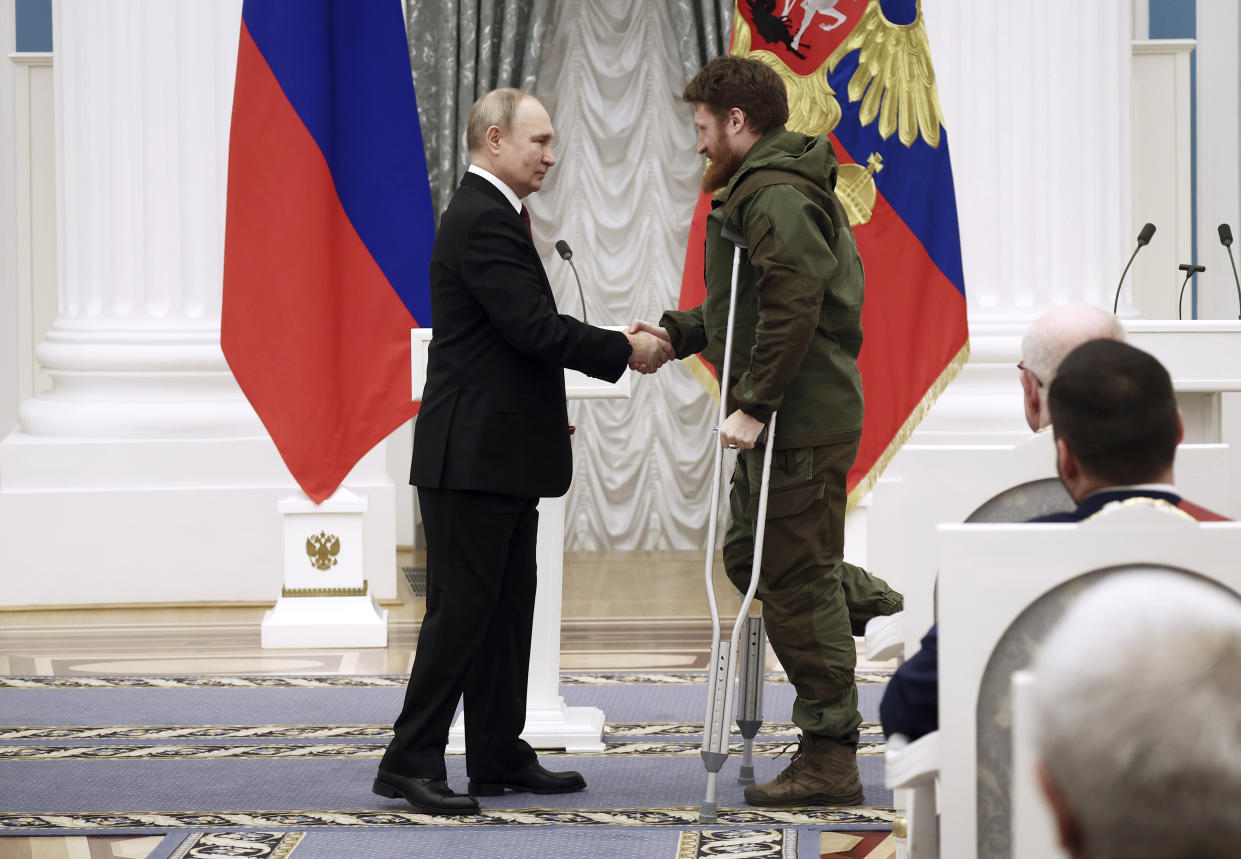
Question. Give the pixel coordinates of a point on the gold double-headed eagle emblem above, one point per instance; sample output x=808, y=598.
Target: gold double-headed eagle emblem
x=322, y=549
x=894, y=81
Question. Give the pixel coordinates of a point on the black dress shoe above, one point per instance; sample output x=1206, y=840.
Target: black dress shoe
x=531, y=778
x=431, y=795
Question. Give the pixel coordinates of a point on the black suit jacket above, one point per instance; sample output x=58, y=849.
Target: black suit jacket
x=493, y=415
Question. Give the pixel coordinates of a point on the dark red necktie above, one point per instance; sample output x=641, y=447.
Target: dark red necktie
x=525, y=219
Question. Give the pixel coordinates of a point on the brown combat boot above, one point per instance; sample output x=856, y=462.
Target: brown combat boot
x=822, y=771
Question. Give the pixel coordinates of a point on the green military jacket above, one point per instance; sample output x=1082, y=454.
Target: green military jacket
x=798, y=326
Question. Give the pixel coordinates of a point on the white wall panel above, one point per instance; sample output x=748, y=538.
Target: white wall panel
x=35, y=224
x=9, y=392
x=1162, y=190
x=1219, y=153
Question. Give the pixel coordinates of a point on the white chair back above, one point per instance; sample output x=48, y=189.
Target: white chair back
x=993, y=576
x=951, y=483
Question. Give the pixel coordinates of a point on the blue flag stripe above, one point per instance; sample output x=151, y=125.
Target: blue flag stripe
x=916, y=180
x=344, y=66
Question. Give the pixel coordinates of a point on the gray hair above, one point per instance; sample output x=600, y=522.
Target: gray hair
x=1138, y=716
x=499, y=108
x=1061, y=330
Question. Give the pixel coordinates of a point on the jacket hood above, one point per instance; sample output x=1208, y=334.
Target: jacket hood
x=780, y=149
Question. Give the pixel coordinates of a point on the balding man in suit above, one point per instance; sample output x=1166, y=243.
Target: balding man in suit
x=492, y=438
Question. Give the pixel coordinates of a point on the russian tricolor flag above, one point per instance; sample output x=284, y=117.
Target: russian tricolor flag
x=915, y=332
x=329, y=230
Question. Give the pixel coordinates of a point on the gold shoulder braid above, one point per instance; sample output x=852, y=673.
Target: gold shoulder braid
x=1157, y=503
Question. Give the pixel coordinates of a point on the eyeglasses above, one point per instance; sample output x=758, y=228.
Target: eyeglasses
x=1021, y=365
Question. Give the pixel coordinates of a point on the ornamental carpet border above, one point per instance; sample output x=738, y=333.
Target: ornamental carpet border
x=376, y=751
x=377, y=732
x=359, y=681
x=677, y=816
x=253, y=845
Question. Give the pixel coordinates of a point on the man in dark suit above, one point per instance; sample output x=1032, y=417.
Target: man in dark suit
x=492, y=438
x=1117, y=425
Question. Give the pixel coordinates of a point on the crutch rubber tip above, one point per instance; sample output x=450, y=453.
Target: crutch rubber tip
x=706, y=814
x=746, y=776
x=748, y=728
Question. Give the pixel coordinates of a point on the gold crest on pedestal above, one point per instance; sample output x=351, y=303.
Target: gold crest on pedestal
x=322, y=549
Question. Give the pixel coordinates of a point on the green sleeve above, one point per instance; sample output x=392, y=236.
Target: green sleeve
x=789, y=250
x=686, y=330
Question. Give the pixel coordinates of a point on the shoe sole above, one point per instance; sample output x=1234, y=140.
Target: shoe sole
x=496, y=789
x=853, y=799
x=382, y=788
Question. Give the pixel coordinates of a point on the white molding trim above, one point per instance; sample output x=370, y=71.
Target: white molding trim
x=1219, y=152
x=9, y=392
x=1162, y=153
x=35, y=214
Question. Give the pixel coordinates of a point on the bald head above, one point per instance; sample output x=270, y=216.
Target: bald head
x=1053, y=336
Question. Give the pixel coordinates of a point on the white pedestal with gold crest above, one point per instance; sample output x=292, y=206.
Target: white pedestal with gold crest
x=550, y=724
x=325, y=601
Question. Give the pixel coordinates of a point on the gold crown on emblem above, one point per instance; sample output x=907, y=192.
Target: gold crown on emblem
x=855, y=188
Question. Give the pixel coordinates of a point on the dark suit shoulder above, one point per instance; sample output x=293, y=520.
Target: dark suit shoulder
x=481, y=215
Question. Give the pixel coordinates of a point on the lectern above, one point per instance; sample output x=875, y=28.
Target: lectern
x=549, y=723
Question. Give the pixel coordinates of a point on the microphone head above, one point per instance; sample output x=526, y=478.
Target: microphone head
x=1144, y=236
x=1188, y=267
x=562, y=248
x=1225, y=235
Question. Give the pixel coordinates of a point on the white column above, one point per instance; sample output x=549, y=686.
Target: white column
x=9, y=361
x=143, y=94
x=1219, y=153
x=144, y=474
x=1036, y=104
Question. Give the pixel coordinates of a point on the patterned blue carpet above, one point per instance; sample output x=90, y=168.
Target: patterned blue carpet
x=287, y=764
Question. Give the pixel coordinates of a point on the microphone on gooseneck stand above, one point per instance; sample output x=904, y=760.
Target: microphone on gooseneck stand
x=562, y=248
x=1225, y=239
x=1144, y=238
x=1190, y=271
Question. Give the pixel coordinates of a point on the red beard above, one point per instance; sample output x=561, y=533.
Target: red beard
x=719, y=171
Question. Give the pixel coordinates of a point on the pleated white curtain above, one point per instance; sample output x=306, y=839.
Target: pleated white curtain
x=622, y=195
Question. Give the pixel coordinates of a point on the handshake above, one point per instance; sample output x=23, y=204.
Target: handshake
x=652, y=348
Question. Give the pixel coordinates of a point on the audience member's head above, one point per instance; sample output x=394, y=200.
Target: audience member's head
x=1136, y=720
x=1115, y=418
x=1052, y=336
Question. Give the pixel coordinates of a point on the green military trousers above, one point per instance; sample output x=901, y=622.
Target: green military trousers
x=805, y=588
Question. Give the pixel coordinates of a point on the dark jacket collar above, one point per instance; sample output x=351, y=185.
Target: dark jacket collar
x=478, y=183
x=1092, y=504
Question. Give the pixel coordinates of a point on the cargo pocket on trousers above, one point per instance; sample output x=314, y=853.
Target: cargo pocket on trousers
x=792, y=486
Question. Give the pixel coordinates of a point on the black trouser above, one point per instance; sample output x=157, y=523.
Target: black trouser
x=475, y=638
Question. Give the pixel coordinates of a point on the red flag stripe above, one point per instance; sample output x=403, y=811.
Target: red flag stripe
x=298, y=276
x=909, y=337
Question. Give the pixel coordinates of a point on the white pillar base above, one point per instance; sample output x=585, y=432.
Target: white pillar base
x=574, y=729
x=141, y=521
x=310, y=622
x=326, y=601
